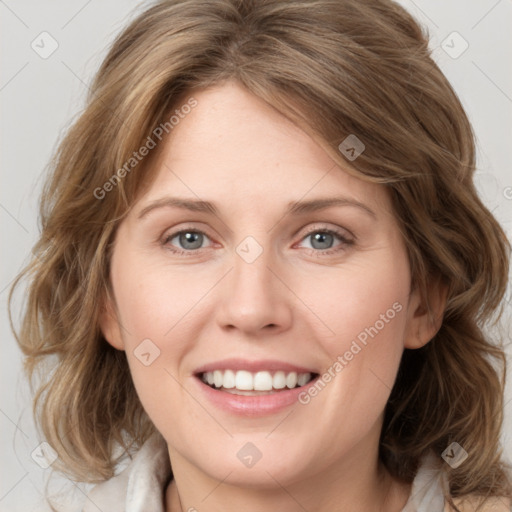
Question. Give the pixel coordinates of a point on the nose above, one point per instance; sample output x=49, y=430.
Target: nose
x=255, y=297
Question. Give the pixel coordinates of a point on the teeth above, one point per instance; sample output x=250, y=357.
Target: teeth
x=216, y=377
x=262, y=381
x=243, y=380
x=228, y=380
x=291, y=380
x=279, y=380
x=303, y=379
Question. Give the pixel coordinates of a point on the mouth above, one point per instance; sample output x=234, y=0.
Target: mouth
x=248, y=383
x=253, y=388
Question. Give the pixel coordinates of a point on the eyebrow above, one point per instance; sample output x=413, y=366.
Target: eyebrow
x=294, y=207
x=298, y=207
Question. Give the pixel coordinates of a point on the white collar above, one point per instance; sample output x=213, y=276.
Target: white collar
x=140, y=486
x=428, y=488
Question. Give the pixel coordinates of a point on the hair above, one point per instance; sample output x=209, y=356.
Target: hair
x=335, y=68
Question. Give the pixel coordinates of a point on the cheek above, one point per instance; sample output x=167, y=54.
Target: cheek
x=156, y=301
x=363, y=320
x=161, y=314
x=356, y=301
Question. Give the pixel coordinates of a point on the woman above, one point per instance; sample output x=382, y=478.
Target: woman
x=319, y=344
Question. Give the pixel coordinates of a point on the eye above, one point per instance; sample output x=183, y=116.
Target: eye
x=327, y=241
x=185, y=241
x=321, y=240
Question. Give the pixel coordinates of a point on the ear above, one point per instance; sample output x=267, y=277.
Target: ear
x=109, y=322
x=425, y=314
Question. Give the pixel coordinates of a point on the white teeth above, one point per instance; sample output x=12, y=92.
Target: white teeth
x=259, y=381
x=228, y=380
x=217, y=378
x=244, y=381
x=263, y=381
x=279, y=380
x=291, y=380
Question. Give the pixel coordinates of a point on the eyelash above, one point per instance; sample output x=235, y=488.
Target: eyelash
x=345, y=242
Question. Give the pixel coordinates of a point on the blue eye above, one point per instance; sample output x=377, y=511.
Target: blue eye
x=322, y=240
x=189, y=240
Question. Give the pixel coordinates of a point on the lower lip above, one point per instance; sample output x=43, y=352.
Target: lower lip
x=258, y=405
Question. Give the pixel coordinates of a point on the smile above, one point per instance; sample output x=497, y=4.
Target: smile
x=253, y=388
x=244, y=382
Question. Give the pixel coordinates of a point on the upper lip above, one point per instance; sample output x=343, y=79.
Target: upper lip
x=252, y=366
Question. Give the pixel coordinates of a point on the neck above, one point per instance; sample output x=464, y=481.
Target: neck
x=353, y=485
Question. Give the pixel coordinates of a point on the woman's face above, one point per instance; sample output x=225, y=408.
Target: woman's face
x=254, y=261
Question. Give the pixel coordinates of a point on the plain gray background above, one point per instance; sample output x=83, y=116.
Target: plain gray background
x=40, y=97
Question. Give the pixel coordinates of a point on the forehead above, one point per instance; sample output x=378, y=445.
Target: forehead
x=236, y=148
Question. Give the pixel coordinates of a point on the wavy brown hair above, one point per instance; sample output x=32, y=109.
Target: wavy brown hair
x=334, y=67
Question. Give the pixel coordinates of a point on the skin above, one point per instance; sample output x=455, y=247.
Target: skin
x=294, y=303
